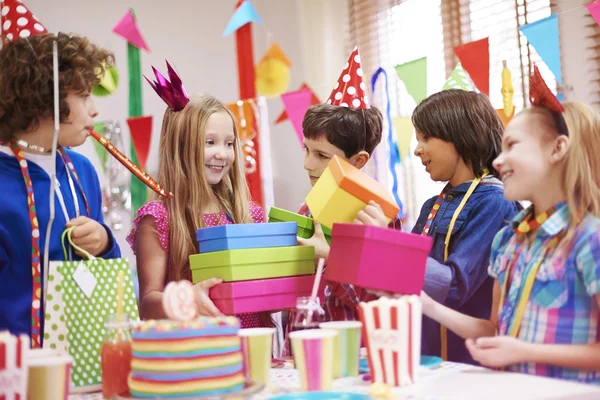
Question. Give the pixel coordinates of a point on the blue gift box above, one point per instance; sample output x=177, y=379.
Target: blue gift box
x=246, y=236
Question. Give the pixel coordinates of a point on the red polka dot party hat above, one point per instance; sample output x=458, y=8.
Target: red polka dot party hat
x=18, y=21
x=350, y=89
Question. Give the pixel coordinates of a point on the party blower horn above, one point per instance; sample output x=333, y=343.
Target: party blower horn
x=144, y=177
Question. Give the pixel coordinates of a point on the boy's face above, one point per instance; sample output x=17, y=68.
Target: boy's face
x=318, y=153
x=80, y=122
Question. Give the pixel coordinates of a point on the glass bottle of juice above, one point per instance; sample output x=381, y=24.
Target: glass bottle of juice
x=309, y=314
x=116, y=357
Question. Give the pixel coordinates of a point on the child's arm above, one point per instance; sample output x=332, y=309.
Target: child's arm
x=152, y=262
x=318, y=241
x=463, y=325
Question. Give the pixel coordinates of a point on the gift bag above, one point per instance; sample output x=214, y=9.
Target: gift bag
x=81, y=296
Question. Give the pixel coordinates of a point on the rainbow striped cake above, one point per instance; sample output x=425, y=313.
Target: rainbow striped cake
x=174, y=359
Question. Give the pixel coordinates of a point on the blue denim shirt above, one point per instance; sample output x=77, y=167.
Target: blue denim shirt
x=462, y=282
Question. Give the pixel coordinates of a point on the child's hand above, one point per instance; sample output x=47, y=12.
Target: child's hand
x=426, y=303
x=318, y=240
x=497, y=351
x=372, y=215
x=88, y=234
x=206, y=306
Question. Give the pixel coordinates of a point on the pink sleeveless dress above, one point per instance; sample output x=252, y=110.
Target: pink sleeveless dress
x=158, y=211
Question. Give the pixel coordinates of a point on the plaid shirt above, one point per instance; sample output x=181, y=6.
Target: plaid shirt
x=562, y=308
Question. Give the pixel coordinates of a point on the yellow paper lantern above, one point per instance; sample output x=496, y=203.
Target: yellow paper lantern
x=272, y=77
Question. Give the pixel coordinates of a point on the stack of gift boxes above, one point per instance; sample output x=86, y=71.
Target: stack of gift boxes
x=373, y=258
x=261, y=265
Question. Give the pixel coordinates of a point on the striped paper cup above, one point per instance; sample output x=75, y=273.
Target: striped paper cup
x=313, y=355
x=257, y=347
x=49, y=377
x=346, y=350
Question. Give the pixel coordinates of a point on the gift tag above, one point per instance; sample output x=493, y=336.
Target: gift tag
x=84, y=279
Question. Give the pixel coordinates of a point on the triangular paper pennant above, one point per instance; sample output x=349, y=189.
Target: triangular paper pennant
x=475, y=59
x=350, y=90
x=404, y=133
x=313, y=100
x=414, y=76
x=141, y=137
x=128, y=29
x=18, y=21
x=276, y=53
x=543, y=37
x=594, y=9
x=101, y=152
x=296, y=103
x=458, y=79
x=244, y=14
x=108, y=84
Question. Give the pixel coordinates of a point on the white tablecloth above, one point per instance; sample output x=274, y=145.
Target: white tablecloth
x=449, y=381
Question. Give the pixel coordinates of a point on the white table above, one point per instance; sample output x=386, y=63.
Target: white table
x=450, y=381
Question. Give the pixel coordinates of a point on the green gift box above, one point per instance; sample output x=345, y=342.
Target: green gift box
x=305, y=224
x=251, y=264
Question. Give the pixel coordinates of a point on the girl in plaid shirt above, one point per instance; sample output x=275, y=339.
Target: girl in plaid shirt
x=546, y=302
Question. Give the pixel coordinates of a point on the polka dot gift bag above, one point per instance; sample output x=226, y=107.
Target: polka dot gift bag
x=80, y=297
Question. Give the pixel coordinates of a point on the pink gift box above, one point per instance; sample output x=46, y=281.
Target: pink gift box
x=262, y=295
x=378, y=258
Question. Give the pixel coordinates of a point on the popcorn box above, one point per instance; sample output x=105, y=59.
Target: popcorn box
x=306, y=227
x=392, y=331
x=343, y=190
x=13, y=366
x=263, y=295
x=251, y=264
x=246, y=236
x=378, y=258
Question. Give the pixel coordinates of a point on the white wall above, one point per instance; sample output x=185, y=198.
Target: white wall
x=189, y=34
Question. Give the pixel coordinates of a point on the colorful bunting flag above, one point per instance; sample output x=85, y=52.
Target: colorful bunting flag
x=404, y=133
x=296, y=103
x=128, y=29
x=543, y=37
x=313, y=100
x=244, y=14
x=458, y=79
x=141, y=137
x=414, y=76
x=475, y=59
x=594, y=9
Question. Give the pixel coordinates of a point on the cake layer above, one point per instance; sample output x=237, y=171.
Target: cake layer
x=184, y=376
x=183, y=346
x=194, y=387
x=188, y=364
x=201, y=327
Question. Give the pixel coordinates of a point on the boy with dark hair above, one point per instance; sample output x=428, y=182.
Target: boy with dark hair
x=26, y=163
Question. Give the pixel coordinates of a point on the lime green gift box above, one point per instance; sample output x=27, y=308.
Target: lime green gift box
x=251, y=264
x=306, y=227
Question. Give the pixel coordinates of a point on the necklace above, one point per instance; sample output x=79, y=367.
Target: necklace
x=33, y=147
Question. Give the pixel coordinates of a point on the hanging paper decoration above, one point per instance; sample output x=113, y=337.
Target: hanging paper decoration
x=129, y=30
x=276, y=53
x=458, y=79
x=140, y=129
x=100, y=150
x=508, y=111
x=296, y=103
x=244, y=14
x=394, y=158
x=108, y=83
x=404, y=134
x=414, y=76
x=594, y=9
x=18, y=21
x=350, y=90
x=247, y=120
x=475, y=59
x=313, y=100
x=272, y=77
x=543, y=37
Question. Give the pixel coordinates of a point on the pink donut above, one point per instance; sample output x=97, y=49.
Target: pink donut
x=179, y=301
